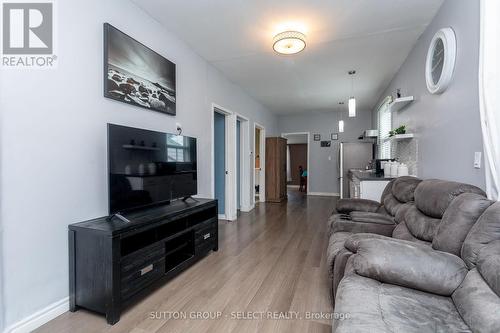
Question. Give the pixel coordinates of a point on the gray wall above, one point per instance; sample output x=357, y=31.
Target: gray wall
x=53, y=142
x=448, y=125
x=323, y=173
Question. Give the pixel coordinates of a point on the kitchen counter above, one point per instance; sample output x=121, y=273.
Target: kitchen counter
x=367, y=175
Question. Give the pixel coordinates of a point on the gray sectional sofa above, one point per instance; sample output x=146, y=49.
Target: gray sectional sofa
x=407, y=265
x=423, y=212
x=393, y=285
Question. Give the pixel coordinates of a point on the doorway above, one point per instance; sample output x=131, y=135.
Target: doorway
x=259, y=174
x=220, y=161
x=231, y=160
x=298, y=173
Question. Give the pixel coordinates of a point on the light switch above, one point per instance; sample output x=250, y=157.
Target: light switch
x=329, y=158
x=477, y=160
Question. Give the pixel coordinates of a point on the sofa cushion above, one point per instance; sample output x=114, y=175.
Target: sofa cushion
x=400, y=214
x=335, y=244
x=457, y=221
x=391, y=204
x=401, y=232
x=484, y=231
x=420, y=225
x=376, y=307
x=488, y=265
x=345, y=206
x=408, y=264
x=433, y=196
x=478, y=305
x=387, y=190
x=403, y=188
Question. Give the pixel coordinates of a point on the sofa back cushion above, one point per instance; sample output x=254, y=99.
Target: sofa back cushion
x=398, y=192
x=420, y=225
x=488, y=265
x=483, y=232
x=457, y=221
x=403, y=188
x=387, y=190
x=477, y=304
x=433, y=196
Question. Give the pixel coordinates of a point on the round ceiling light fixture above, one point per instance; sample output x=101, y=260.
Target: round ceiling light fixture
x=289, y=42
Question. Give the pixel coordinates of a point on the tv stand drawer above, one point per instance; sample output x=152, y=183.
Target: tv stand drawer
x=141, y=277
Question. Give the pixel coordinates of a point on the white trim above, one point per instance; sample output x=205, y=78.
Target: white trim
x=40, y=317
x=262, y=182
x=308, y=154
x=245, y=158
x=247, y=208
x=230, y=159
x=293, y=186
x=222, y=217
x=324, y=194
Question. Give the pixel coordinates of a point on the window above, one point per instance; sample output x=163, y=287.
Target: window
x=384, y=117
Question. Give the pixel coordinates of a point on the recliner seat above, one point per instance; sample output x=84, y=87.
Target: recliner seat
x=436, y=213
x=396, y=285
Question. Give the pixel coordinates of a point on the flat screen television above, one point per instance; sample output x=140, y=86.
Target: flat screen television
x=148, y=168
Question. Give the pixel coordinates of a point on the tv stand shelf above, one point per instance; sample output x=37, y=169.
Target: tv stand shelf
x=113, y=263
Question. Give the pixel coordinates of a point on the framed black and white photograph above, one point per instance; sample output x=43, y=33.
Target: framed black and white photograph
x=317, y=137
x=335, y=136
x=137, y=75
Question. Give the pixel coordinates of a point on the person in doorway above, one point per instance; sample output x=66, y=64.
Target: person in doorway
x=303, y=179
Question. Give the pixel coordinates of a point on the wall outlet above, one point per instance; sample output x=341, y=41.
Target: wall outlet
x=477, y=160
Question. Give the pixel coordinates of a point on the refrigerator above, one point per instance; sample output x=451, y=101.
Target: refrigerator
x=352, y=155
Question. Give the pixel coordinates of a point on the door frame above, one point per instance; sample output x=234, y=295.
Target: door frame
x=230, y=161
x=245, y=157
x=283, y=135
x=262, y=180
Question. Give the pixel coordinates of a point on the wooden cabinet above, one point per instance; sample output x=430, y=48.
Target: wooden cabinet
x=275, y=169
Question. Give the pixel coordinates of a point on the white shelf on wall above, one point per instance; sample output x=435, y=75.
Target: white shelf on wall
x=400, y=103
x=406, y=136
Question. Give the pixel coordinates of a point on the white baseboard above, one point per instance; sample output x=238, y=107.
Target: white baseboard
x=324, y=194
x=40, y=317
x=222, y=217
x=293, y=186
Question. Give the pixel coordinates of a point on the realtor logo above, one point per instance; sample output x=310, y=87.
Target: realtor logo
x=28, y=34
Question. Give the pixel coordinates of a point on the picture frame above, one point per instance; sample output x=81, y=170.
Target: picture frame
x=135, y=74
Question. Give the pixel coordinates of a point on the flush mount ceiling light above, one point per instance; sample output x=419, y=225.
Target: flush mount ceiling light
x=289, y=42
x=352, y=100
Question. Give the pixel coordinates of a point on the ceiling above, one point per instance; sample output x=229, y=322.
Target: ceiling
x=372, y=37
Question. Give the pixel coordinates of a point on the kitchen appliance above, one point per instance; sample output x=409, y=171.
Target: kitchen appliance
x=379, y=171
x=352, y=155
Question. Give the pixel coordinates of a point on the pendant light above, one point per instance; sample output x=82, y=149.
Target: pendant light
x=352, y=100
x=341, y=121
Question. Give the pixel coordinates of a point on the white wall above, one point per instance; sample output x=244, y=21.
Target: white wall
x=323, y=172
x=53, y=142
x=447, y=126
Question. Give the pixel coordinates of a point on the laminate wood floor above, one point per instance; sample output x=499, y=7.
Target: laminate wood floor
x=269, y=260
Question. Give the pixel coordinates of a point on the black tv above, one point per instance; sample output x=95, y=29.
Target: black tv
x=148, y=168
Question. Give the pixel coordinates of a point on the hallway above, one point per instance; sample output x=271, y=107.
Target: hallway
x=271, y=259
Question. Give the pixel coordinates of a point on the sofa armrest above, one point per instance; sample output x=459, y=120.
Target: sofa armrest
x=369, y=217
x=345, y=206
x=407, y=264
x=363, y=227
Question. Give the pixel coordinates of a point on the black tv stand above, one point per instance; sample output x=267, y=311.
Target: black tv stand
x=112, y=264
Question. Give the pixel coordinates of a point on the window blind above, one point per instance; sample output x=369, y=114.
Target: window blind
x=384, y=126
